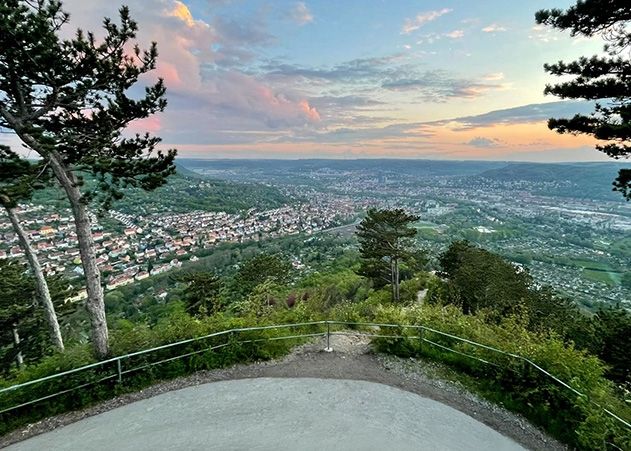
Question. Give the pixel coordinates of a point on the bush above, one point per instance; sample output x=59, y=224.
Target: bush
x=504, y=379
x=140, y=370
x=516, y=384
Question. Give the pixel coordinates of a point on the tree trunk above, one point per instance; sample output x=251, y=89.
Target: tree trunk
x=41, y=287
x=396, y=280
x=16, y=341
x=95, y=304
x=392, y=284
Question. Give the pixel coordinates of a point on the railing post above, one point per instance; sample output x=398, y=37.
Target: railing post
x=421, y=337
x=328, y=337
x=120, y=370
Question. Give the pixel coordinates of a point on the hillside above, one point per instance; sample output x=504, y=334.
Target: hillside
x=585, y=180
x=185, y=191
x=235, y=169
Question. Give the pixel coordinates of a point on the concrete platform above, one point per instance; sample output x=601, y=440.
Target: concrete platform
x=278, y=414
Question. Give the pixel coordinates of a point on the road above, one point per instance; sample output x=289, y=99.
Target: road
x=278, y=414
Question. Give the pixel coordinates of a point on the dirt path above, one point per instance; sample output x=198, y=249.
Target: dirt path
x=351, y=359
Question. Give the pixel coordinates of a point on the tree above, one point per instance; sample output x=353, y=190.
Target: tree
x=604, y=78
x=386, y=239
x=452, y=258
x=613, y=331
x=202, y=295
x=69, y=101
x=261, y=300
x=262, y=268
x=480, y=279
x=15, y=307
x=18, y=179
x=23, y=326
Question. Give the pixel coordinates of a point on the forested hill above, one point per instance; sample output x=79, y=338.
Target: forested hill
x=588, y=180
x=186, y=191
x=419, y=167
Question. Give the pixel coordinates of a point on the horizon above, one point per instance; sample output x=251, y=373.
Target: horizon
x=385, y=158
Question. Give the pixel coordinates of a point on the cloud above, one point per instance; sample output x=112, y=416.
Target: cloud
x=439, y=86
x=353, y=71
x=495, y=76
x=430, y=38
x=300, y=14
x=456, y=34
x=392, y=73
x=544, y=34
x=364, y=135
x=519, y=138
x=482, y=142
x=239, y=32
x=223, y=95
x=525, y=114
x=181, y=11
x=421, y=19
x=203, y=63
x=493, y=28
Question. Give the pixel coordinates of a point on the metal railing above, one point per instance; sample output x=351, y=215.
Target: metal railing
x=121, y=364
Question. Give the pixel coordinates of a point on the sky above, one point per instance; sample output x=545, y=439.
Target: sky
x=458, y=79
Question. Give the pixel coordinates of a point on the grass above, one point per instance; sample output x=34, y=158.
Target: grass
x=607, y=277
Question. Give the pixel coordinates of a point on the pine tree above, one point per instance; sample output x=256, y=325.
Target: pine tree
x=385, y=239
x=202, y=295
x=599, y=78
x=23, y=324
x=18, y=179
x=261, y=268
x=68, y=101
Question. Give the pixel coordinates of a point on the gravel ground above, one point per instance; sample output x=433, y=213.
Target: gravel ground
x=351, y=359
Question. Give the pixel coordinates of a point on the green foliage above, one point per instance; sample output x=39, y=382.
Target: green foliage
x=339, y=293
x=261, y=268
x=19, y=310
x=613, y=337
x=385, y=241
x=571, y=418
x=205, y=353
x=202, y=295
x=328, y=289
x=597, y=78
x=263, y=298
x=480, y=279
x=19, y=177
x=181, y=193
x=69, y=99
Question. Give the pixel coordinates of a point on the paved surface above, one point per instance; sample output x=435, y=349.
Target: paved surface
x=278, y=414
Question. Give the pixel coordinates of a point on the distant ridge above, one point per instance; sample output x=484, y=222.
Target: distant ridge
x=411, y=167
x=586, y=179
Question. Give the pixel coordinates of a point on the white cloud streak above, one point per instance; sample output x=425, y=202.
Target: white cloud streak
x=413, y=24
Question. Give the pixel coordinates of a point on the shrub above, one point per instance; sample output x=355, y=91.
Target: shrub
x=519, y=386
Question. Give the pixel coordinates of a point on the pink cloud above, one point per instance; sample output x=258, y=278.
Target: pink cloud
x=151, y=124
x=199, y=62
x=311, y=113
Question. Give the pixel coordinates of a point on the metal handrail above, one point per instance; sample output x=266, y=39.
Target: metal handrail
x=119, y=372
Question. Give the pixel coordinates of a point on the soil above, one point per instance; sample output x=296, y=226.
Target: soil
x=351, y=358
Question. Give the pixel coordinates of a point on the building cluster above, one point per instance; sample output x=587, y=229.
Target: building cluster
x=135, y=247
